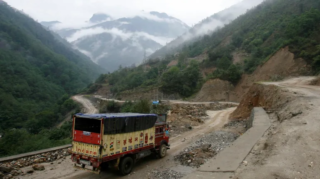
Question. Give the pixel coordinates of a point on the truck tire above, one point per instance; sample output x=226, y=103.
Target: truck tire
x=163, y=150
x=126, y=165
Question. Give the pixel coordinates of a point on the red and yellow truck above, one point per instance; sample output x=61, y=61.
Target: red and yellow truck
x=117, y=140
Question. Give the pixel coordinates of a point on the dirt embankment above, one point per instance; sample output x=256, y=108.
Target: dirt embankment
x=316, y=81
x=290, y=148
x=281, y=65
x=269, y=97
x=216, y=90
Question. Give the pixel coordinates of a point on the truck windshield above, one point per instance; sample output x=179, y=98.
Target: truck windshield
x=89, y=125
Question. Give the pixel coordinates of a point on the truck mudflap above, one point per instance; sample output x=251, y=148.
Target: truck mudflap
x=168, y=146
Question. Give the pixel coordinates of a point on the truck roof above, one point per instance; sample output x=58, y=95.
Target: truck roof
x=112, y=115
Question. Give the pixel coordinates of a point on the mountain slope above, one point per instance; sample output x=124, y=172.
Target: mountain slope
x=100, y=17
x=38, y=73
x=205, y=27
x=258, y=34
x=125, y=41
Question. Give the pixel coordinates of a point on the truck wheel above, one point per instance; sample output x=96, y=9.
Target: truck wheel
x=126, y=165
x=163, y=150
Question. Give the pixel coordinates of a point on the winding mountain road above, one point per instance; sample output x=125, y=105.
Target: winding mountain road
x=89, y=108
x=64, y=168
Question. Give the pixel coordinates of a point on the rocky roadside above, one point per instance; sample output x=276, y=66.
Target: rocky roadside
x=12, y=169
x=205, y=148
x=165, y=174
x=183, y=117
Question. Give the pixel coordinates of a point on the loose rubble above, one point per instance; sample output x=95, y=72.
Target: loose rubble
x=196, y=156
x=165, y=174
x=182, y=117
x=205, y=148
x=237, y=126
x=12, y=168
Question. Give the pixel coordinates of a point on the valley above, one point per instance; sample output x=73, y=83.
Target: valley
x=240, y=90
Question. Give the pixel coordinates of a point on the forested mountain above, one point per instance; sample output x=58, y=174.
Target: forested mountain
x=38, y=74
x=258, y=34
x=125, y=41
x=206, y=26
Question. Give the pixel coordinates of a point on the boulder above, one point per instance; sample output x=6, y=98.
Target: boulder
x=5, y=169
x=29, y=171
x=38, y=167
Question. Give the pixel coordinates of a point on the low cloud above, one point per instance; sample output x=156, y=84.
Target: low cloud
x=214, y=22
x=149, y=16
x=94, y=31
x=160, y=40
x=76, y=25
x=117, y=33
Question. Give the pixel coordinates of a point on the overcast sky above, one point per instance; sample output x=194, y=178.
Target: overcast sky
x=79, y=11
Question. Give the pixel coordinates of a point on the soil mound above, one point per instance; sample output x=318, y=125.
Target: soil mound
x=316, y=82
x=216, y=90
x=281, y=65
x=269, y=97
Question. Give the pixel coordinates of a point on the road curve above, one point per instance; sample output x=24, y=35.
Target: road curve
x=87, y=105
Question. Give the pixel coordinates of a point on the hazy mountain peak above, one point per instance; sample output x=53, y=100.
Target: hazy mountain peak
x=49, y=24
x=99, y=17
x=2, y=2
x=124, y=41
x=160, y=15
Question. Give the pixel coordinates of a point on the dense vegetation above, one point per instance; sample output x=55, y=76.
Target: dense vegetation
x=183, y=79
x=38, y=74
x=261, y=32
x=141, y=106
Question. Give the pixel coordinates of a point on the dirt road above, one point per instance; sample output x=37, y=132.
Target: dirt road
x=291, y=147
x=169, y=101
x=87, y=105
x=64, y=168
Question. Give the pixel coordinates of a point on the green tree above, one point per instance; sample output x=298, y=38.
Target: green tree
x=171, y=82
